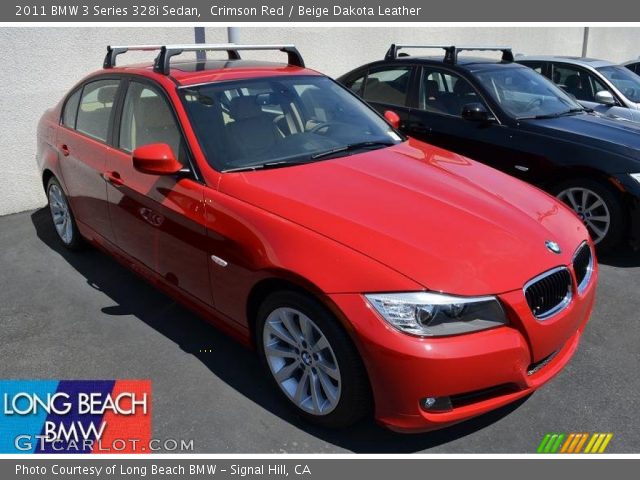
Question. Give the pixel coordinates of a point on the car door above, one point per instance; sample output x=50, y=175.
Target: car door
x=386, y=87
x=438, y=120
x=157, y=219
x=82, y=144
x=584, y=85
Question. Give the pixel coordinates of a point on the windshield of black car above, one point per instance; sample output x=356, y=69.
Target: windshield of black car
x=524, y=93
x=281, y=120
x=624, y=80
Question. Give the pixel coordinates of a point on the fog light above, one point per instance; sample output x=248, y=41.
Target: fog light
x=436, y=404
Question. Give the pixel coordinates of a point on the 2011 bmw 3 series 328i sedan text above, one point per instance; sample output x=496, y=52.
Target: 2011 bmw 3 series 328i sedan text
x=374, y=275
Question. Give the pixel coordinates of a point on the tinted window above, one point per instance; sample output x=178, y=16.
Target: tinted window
x=387, y=85
x=71, y=109
x=576, y=82
x=356, y=85
x=146, y=119
x=536, y=66
x=95, y=108
x=522, y=93
x=445, y=92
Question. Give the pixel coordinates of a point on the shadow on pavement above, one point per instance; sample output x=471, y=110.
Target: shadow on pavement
x=228, y=360
x=622, y=257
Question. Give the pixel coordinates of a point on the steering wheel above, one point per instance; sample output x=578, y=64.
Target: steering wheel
x=322, y=126
x=536, y=102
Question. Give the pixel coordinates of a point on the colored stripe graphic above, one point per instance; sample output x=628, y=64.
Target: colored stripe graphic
x=574, y=442
x=74, y=420
x=75, y=416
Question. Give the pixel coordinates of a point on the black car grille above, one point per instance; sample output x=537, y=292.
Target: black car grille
x=582, y=265
x=549, y=293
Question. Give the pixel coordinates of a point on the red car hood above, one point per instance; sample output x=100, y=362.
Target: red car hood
x=447, y=222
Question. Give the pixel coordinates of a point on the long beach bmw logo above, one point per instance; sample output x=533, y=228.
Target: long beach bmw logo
x=553, y=246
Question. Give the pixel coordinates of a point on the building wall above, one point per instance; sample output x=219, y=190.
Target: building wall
x=40, y=64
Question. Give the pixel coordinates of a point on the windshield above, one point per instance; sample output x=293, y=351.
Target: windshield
x=524, y=93
x=624, y=80
x=259, y=123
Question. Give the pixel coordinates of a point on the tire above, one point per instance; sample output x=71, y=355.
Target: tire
x=602, y=201
x=64, y=223
x=333, y=366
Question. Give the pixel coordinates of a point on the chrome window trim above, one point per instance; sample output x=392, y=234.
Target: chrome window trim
x=587, y=278
x=566, y=301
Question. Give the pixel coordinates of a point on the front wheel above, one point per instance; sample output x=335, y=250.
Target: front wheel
x=311, y=360
x=598, y=206
x=63, y=221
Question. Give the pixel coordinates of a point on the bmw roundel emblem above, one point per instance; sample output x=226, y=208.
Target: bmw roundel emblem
x=553, y=246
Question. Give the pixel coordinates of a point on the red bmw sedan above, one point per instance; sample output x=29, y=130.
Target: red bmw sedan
x=372, y=273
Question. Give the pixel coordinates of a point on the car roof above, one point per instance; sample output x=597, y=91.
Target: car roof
x=190, y=72
x=581, y=61
x=470, y=63
x=631, y=62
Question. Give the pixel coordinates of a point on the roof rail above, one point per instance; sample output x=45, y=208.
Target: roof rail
x=162, y=61
x=451, y=51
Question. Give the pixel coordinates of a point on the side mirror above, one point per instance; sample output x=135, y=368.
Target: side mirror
x=604, y=97
x=476, y=112
x=156, y=159
x=393, y=118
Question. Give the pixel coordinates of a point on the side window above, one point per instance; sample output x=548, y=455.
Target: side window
x=146, y=119
x=71, y=109
x=95, y=108
x=445, y=92
x=388, y=85
x=356, y=85
x=537, y=66
x=576, y=82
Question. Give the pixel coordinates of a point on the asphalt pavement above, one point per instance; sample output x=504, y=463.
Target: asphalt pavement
x=83, y=316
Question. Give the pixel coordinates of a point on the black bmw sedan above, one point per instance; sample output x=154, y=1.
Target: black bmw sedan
x=512, y=118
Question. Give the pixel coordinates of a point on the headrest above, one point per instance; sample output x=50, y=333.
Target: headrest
x=153, y=112
x=107, y=94
x=244, y=107
x=462, y=88
x=572, y=81
x=431, y=87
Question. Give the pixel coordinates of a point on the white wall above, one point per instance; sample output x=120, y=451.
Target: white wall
x=40, y=64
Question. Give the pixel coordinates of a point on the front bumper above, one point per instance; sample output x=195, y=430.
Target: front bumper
x=479, y=371
x=630, y=189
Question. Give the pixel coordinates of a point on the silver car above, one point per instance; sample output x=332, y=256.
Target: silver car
x=606, y=87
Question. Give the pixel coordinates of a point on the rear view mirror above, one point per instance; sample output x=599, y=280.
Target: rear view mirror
x=604, y=97
x=393, y=118
x=156, y=159
x=476, y=112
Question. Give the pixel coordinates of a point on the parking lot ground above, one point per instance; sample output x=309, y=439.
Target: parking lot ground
x=83, y=316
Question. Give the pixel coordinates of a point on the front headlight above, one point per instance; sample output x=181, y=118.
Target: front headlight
x=635, y=176
x=430, y=314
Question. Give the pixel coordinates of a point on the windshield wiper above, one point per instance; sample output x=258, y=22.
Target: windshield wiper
x=555, y=115
x=353, y=146
x=265, y=166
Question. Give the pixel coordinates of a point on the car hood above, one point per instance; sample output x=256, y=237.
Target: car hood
x=440, y=219
x=616, y=135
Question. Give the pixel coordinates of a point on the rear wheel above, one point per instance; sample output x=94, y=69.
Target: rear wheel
x=63, y=221
x=311, y=360
x=598, y=206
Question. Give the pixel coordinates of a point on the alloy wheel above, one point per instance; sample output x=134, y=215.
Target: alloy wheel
x=61, y=214
x=302, y=361
x=591, y=209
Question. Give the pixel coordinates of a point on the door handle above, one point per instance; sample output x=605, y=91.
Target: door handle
x=113, y=178
x=65, y=150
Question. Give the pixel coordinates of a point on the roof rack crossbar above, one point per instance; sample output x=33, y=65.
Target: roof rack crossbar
x=451, y=51
x=163, y=60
